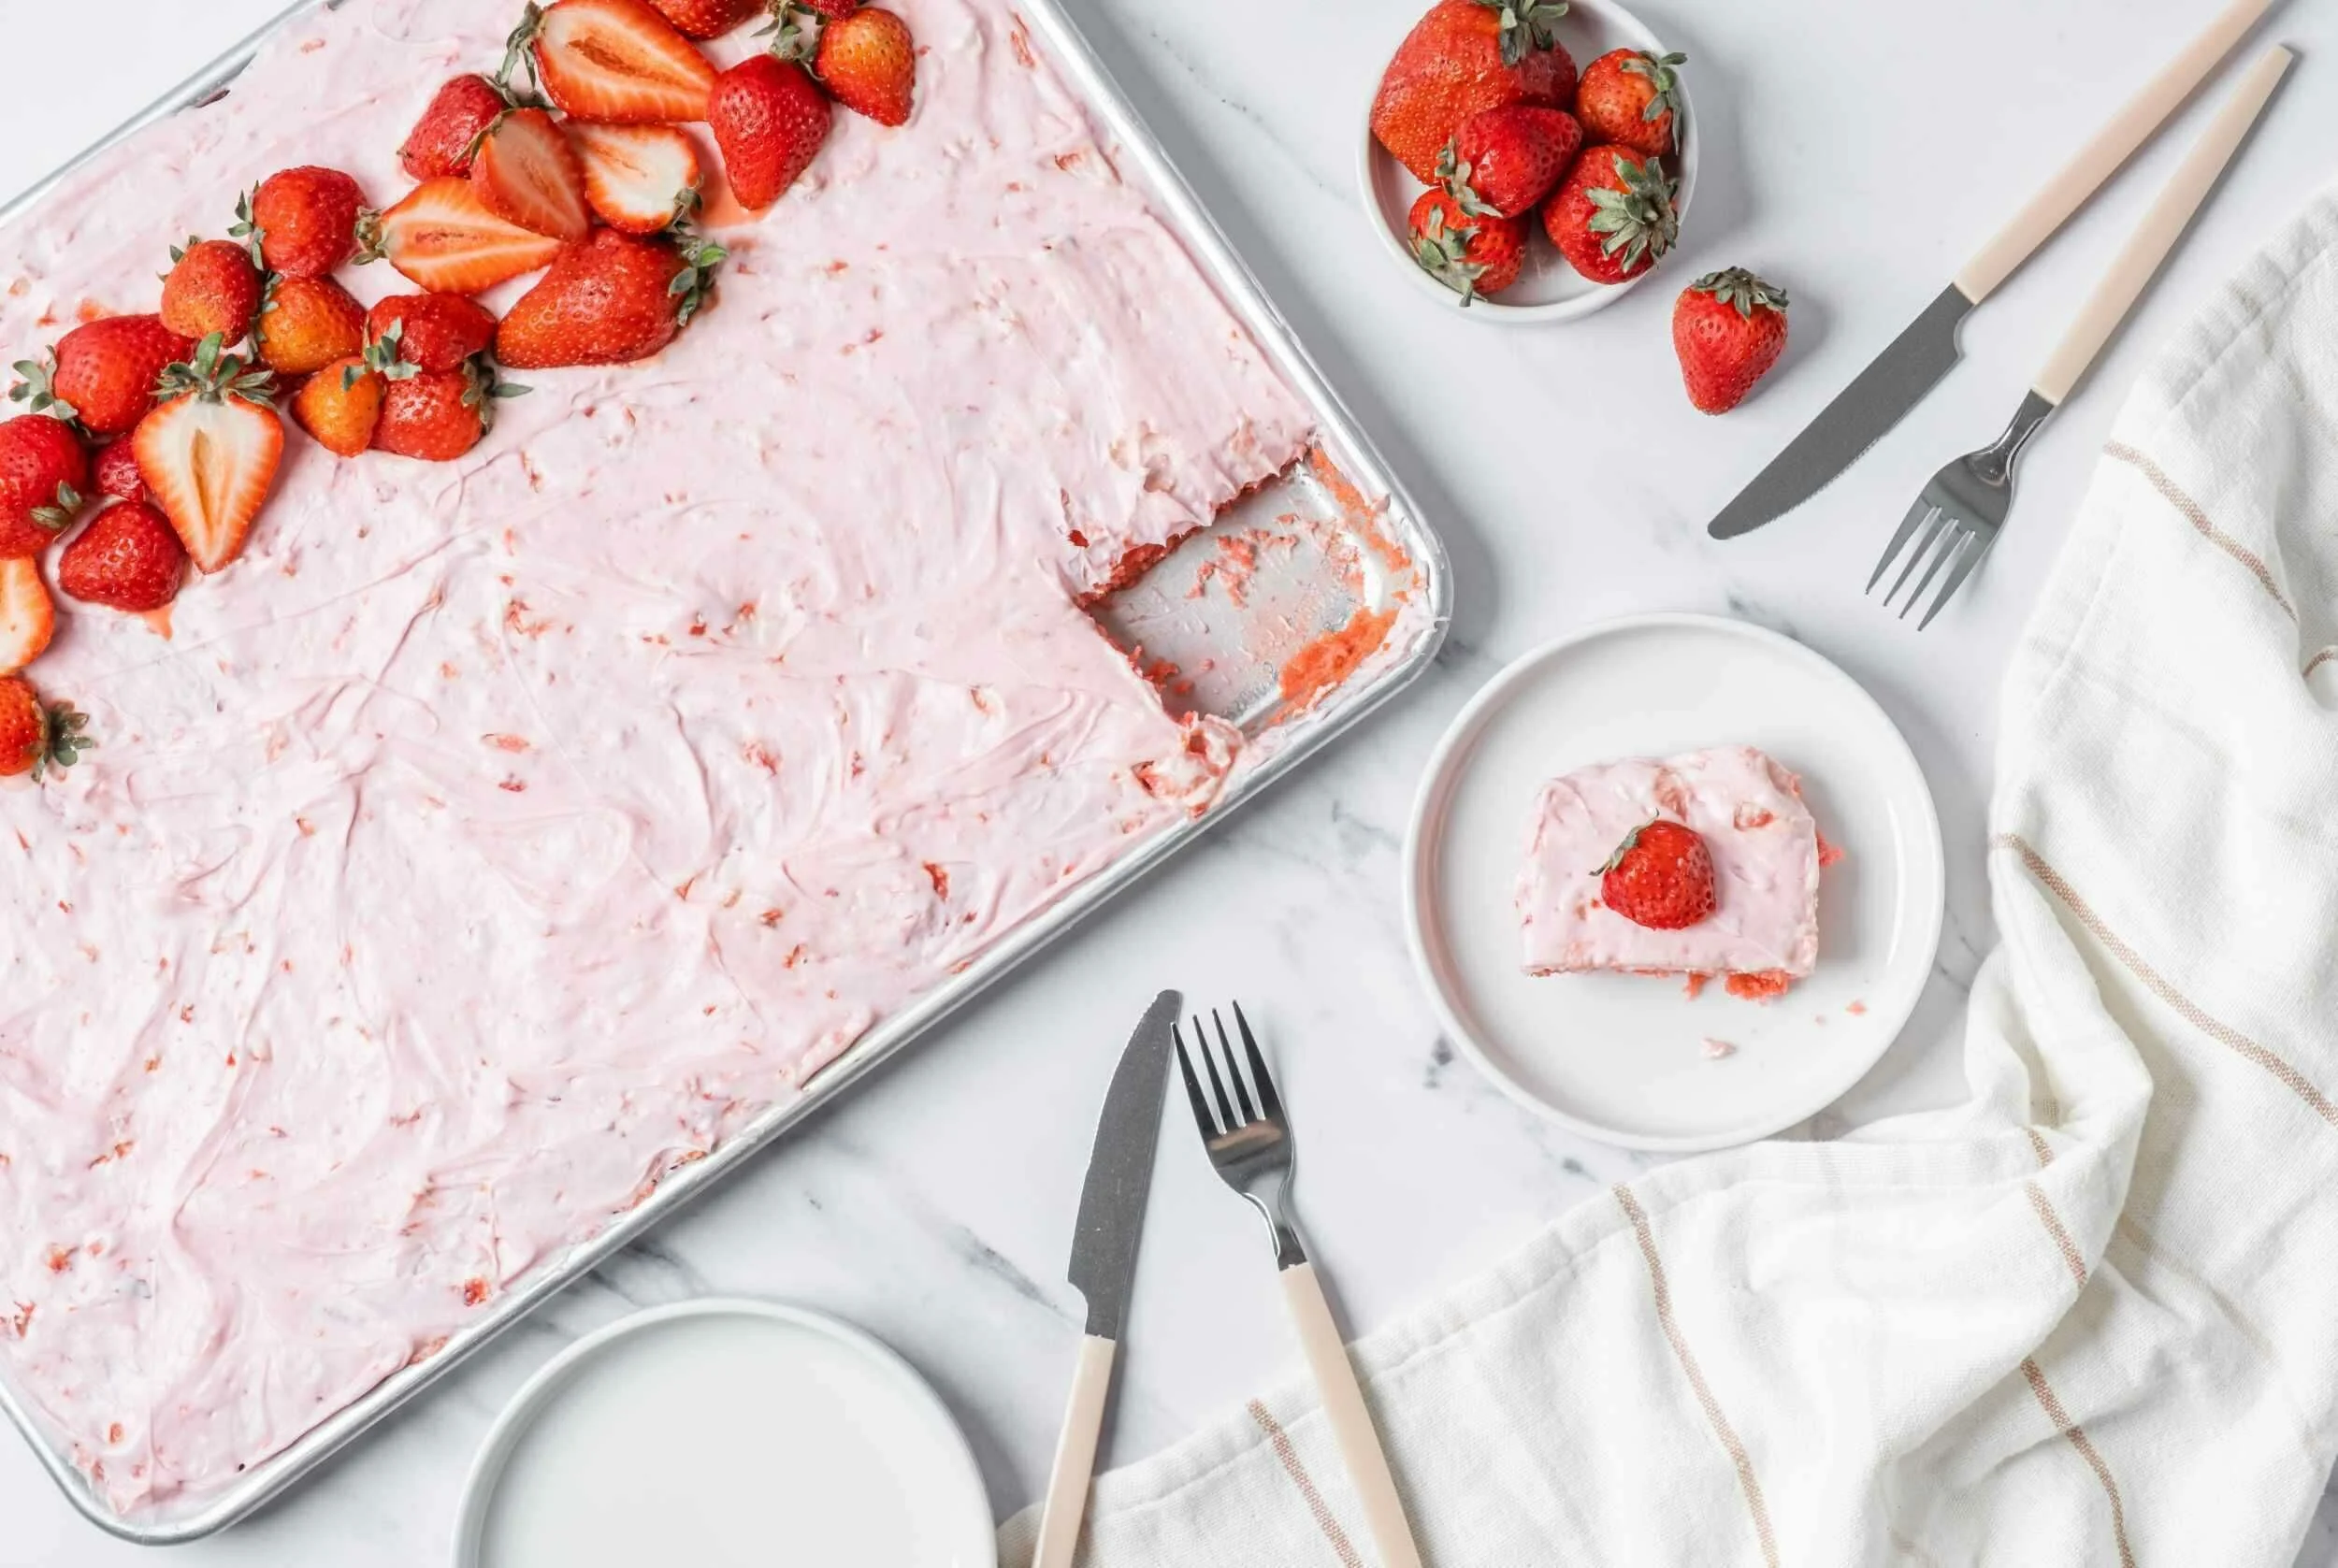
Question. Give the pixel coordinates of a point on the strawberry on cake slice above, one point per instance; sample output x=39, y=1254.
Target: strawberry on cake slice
x=1699, y=865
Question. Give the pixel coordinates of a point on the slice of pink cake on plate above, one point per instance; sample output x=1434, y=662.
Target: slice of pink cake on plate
x=1699, y=865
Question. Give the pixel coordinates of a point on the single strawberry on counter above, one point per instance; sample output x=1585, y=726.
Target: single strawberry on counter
x=614, y=298
x=1728, y=328
x=1463, y=57
x=303, y=222
x=209, y=451
x=444, y=139
x=44, y=475
x=637, y=177
x=128, y=558
x=1631, y=99
x=36, y=737
x=439, y=415
x=306, y=324
x=1465, y=247
x=28, y=619
x=1660, y=876
x=526, y=172
x=341, y=404
x=769, y=118
x=116, y=470
x=615, y=61
x=869, y=60
x=428, y=331
x=707, y=19
x=102, y=374
x=212, y=287
x=1613, y=216
x=442, y=238
x=1511, y=156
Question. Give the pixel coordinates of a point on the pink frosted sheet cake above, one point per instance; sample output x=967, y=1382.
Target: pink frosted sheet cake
x=495, y=838
x=1765, y=851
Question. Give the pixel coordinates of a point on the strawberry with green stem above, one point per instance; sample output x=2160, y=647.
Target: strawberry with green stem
x=1728, y=328
x=36, y=737
x=1612, y=217
x=1631, y=98
x=1464, y=244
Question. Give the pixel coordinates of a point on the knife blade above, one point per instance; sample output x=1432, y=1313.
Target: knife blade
x=1104, y=1263
x=1894, y=382
x=1120, y=1170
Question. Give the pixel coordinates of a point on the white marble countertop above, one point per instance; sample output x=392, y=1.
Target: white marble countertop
x=1852, y=152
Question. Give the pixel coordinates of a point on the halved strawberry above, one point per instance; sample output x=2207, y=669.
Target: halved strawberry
x=616, y=61
x=28, y=618
x=448, y=241
x=209, y=452
x=637, y=177
x=525, y=171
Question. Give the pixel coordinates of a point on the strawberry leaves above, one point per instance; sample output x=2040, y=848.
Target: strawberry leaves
x=1639, y=220
x=1526, y=24
x=1736, y=287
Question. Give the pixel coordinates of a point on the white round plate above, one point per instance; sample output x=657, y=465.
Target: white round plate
x=1549, y=289
x=1624, y=1057
x=725, y=1433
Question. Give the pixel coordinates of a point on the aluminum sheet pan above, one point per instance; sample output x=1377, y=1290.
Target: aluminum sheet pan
x=1296, y=558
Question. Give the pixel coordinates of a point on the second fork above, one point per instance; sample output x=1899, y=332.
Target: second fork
x=1250, y=1144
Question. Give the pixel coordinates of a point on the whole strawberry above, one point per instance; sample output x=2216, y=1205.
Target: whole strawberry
x=429, y=331
x=1660, y=876
x=707, y=19
x=1728, y=328
x=1463, y=57
x=104, y=373
x=341, y=406
x=44, y=474
x=444, y=139
x=116, y=470
x=868, y=59
x=212, y=287
x=1510, y=157
x=769, y=118
x=1469, y=250
x=616, y=297
x=306, y=220
x=439, y=415
x=128, y=558
x=35, y=736
x=307, y=324
x=1631, y=99
x=1613, y=216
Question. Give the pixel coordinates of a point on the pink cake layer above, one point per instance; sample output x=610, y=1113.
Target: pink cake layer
x=1765, y=850
x=495, y=838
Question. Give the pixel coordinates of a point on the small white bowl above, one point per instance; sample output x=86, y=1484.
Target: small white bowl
x=1549, y=289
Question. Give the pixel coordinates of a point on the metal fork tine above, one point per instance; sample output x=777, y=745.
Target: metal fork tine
x=1269, y=1101
x=1916, y=555
x=1950, y=546
x=1226, y=1118
x=1202, y=1117
x=1908, y=525
x=1965, y=564
x=1233, y=1071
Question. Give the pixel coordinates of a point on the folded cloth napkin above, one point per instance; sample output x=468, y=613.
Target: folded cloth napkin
x=2090, y=1316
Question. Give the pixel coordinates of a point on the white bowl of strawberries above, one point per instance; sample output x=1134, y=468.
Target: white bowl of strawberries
x=1529, y=160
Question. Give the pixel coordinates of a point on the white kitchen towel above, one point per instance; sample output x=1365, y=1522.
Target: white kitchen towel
x=2091, y=1315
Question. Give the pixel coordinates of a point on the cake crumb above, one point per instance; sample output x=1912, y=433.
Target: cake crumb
x=1693, y=983
x=1856, y=1009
